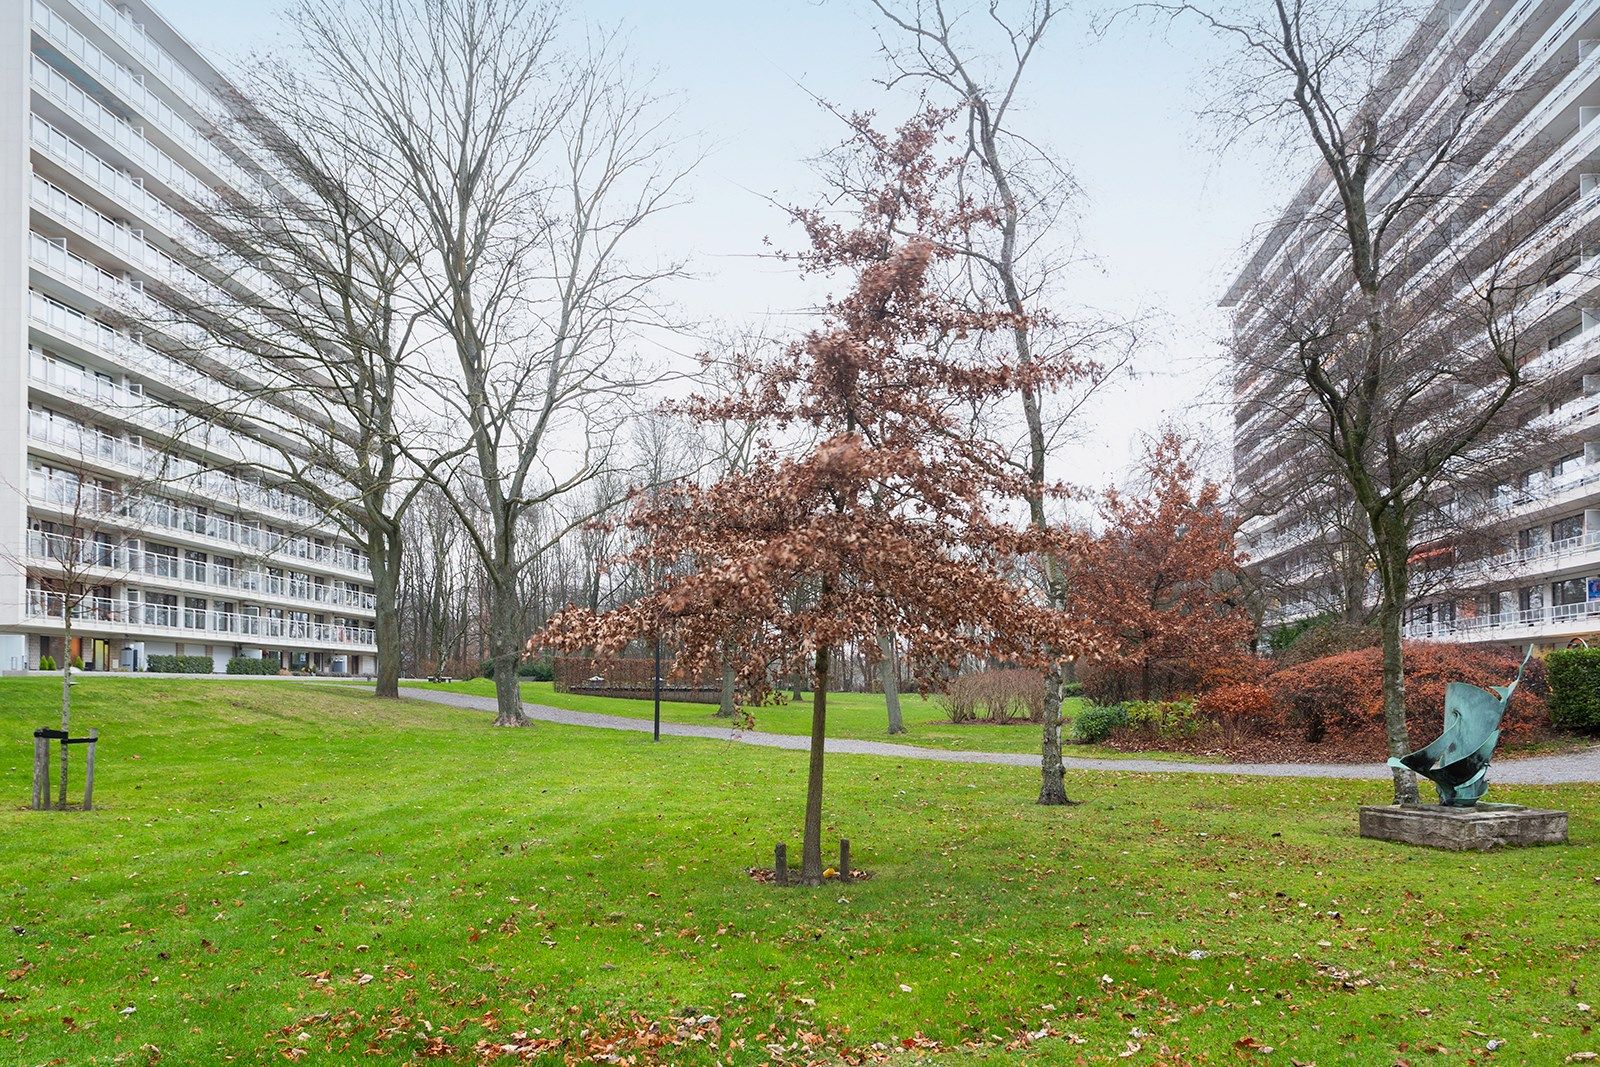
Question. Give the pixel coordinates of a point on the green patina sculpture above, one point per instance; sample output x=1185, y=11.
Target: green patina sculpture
x=1459, y=760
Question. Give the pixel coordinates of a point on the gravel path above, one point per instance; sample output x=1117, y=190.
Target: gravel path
x=1581, y=766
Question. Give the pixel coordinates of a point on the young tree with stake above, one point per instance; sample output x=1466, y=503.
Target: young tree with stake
x=886, y=514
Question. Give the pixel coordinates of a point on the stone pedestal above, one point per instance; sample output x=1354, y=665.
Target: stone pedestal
x=1481, y=827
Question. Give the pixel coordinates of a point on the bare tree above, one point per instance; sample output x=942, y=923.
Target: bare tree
x=1024, y=264
x=317, y=317
x=435, y=598
x=1397, y=329
x=529, y=170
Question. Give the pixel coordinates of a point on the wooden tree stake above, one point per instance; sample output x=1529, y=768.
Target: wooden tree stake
x=780, y=864
x=88, y=772
x=844, y=859
x=41, y=772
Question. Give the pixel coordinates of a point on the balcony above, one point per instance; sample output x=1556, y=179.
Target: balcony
x=108, y=613
x=53, y=85
x=133, y=90
x=121, y=27
x=121, y=562
x=1561, y=620
x=65, y=493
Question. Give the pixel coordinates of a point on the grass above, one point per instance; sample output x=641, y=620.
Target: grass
x=281, y=870
x=862, y=716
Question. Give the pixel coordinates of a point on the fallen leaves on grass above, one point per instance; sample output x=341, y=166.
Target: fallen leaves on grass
x=634, y=1040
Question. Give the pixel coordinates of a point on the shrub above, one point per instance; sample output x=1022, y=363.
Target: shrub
x=77, y=663
x=998, y=695
x=1095, y=722
x=1328, y=638
x=1163, y=720
x=1069, y=690
x=1283, y=636
x=1575, y=688
x=1111, y=683
x=540, y=669
x=267, y=664
x=1342, y=695
x=47, y=663
x=180, y=665
x=1239, y=706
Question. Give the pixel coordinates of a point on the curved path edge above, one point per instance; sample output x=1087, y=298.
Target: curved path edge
x=1571, y=767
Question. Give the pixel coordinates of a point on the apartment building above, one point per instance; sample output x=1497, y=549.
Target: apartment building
x=185, y=537
x=1533, y=573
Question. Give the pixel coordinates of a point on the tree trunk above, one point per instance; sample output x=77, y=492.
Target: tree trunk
x=66, y=693
x=725, y=705
x=1052, y=786
x=384, y=551
x=889, y=676
x=811, y=855
x=1391, y=545
x=1394, y=699
x=505, y=652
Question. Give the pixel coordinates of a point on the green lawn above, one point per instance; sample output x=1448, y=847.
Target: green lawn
x=855, y=715
x=282, y=870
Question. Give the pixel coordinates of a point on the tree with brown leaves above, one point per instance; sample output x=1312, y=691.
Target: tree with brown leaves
x=885, y=513
x=1158, y=579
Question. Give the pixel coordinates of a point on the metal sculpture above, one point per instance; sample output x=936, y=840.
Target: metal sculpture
x=1459, y=760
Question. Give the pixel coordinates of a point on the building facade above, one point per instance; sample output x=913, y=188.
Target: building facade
x=1532, y=573
x=161, y=532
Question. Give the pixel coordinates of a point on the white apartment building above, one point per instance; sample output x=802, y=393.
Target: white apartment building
x=1537, y=576
x=187, y=541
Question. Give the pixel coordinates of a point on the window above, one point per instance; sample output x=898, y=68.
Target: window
x=1571, y=591
x=1566, y=464
x=1559, y=339
x=1567, y=529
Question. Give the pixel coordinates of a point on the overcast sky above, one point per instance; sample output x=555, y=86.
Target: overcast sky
x=1165, y=216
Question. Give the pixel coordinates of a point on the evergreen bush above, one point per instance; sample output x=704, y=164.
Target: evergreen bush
x=180, y=665
x=1575, y=689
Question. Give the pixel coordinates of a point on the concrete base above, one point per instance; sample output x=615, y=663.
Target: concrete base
x=1479, y=828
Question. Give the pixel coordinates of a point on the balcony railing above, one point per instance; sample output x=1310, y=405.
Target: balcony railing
x=131, y=562
x=108, y=611
x=1506, y=625
x=155, y=512
x=72, y=99
x=133, y=90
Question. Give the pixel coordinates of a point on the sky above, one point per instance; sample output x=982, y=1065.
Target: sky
x=1163, y=217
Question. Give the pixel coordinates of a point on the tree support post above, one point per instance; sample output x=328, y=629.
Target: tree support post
x=41, y=771
x=88, y=772
x=780, y=864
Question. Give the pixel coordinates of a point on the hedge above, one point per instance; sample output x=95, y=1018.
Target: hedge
x=1575, y=689
x=180, y=665
x=1342, y=696
x=538, y=670
x=254, y=664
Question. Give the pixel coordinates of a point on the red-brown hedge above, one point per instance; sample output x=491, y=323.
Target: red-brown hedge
x=1342, y=695
x=1248, y=704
